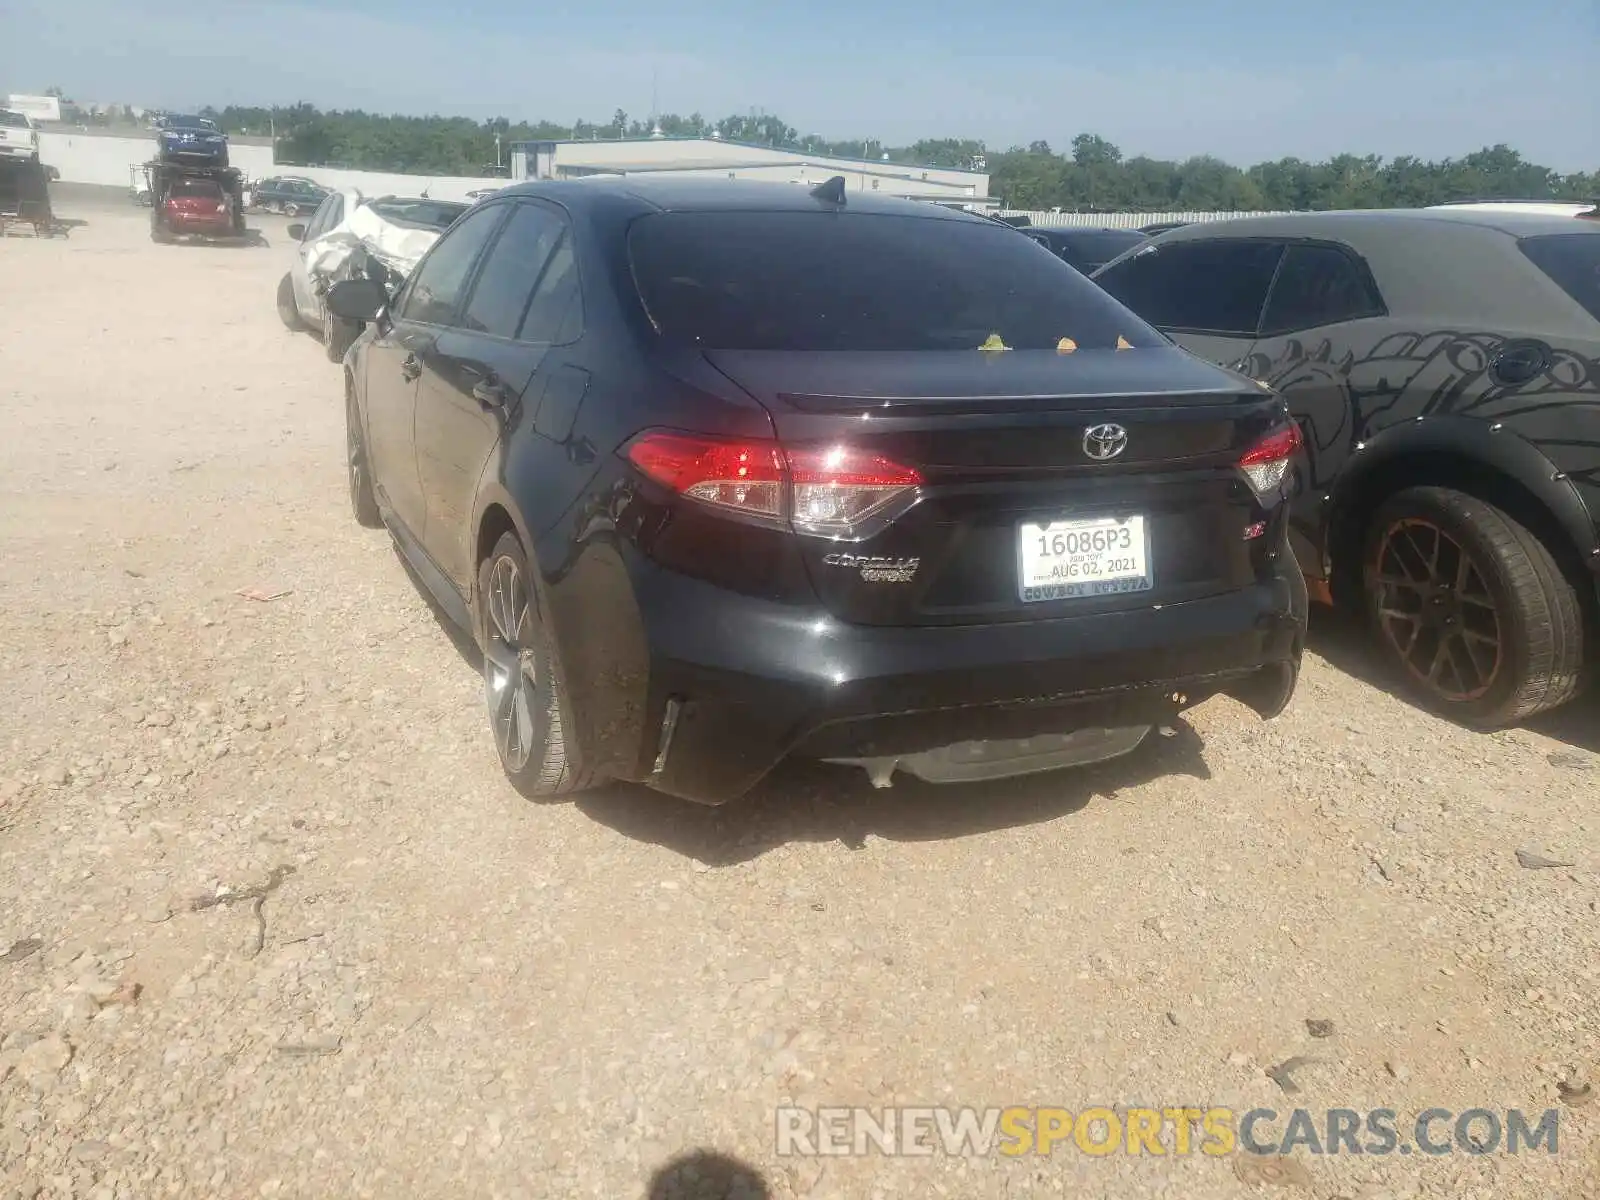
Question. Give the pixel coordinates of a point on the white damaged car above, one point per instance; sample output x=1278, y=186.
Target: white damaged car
x=352, y=236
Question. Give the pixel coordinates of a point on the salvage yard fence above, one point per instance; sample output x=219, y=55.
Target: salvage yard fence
x=1124, y=220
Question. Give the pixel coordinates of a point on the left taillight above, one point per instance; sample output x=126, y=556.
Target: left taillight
x=745, y=477
x=822, y=490
x=1266, y=464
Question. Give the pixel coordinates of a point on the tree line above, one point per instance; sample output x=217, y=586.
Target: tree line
x=1092, y=175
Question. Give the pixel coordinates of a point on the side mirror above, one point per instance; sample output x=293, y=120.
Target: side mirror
x=357, y=299
x=297, y=231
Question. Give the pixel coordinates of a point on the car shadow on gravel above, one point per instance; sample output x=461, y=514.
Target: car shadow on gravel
x=1343, y=640
x=707, y=1175
x=805, y=801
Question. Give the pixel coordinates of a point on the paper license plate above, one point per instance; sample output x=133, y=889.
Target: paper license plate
x=1062, y=560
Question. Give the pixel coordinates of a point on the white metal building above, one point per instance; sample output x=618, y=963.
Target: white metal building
x=716, y=158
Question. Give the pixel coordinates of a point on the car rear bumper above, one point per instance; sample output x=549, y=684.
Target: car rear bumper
x=738, y=684
x=206, y=226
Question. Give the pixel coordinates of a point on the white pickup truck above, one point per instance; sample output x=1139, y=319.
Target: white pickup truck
x=18, y=137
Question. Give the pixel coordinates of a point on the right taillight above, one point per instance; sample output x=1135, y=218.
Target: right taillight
x=1266, y=463
x=823, y=490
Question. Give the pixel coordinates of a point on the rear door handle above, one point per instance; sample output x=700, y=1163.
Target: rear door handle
x=410, y=368
x=490, y=392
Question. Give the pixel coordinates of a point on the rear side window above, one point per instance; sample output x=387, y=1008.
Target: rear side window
x=1203, y=286
x=556, y=313
x=1319, y=285
x=831, y=281
x=511, y=272
x=1572, y=260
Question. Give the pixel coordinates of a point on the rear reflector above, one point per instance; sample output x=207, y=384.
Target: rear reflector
x=823, y=490
x=1267, y=462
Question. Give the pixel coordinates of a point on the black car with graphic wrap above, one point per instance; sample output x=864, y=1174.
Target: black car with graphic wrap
x=191, y=141
x=1444, y=367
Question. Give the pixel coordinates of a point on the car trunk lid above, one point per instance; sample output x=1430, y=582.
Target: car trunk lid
x=1125, y=463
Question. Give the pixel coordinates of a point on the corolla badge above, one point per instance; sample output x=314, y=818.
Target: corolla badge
x=1102, y=442
x=877, y=569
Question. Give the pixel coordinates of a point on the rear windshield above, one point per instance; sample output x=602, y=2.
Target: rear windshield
x=832, y=281
x=202, y=188
x=13, y=120
x=1573, y=261
x=1102, y=245
x=430, y=214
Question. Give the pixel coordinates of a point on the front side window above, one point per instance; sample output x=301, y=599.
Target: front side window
x=323, y=220
x=1216, y=286
x=836, y=281
x=436, y=288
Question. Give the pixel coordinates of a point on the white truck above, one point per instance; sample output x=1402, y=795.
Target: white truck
x=18, y=137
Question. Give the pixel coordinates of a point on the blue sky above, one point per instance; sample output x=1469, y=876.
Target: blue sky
x=1246, y=80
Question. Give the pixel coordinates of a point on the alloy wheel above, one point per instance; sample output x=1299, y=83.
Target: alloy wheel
x=510, y=674
x=1436, y=611
x=354, y=454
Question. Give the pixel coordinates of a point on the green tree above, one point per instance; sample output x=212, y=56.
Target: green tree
x=1092, y=175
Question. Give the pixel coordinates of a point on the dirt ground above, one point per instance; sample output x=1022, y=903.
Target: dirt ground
x=272, y=923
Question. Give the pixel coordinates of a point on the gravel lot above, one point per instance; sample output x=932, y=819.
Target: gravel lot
x=272, y=924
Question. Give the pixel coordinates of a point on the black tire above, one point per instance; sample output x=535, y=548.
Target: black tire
x=541, y=768
x=287, y=312
x=363, y=503
x=337, y=334
x=1470, y=608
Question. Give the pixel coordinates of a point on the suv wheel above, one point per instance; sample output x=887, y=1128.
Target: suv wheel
x=526, y=703
x=1471, y=608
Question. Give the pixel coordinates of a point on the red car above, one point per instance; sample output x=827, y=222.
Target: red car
x=199, y=206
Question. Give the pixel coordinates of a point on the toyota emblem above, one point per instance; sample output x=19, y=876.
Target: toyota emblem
x=1102, y=442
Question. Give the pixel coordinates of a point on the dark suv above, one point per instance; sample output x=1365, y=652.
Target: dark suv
x=718, y=473
x=288, y=195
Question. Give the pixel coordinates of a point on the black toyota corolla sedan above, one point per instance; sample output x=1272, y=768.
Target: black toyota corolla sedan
x=721, y=473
